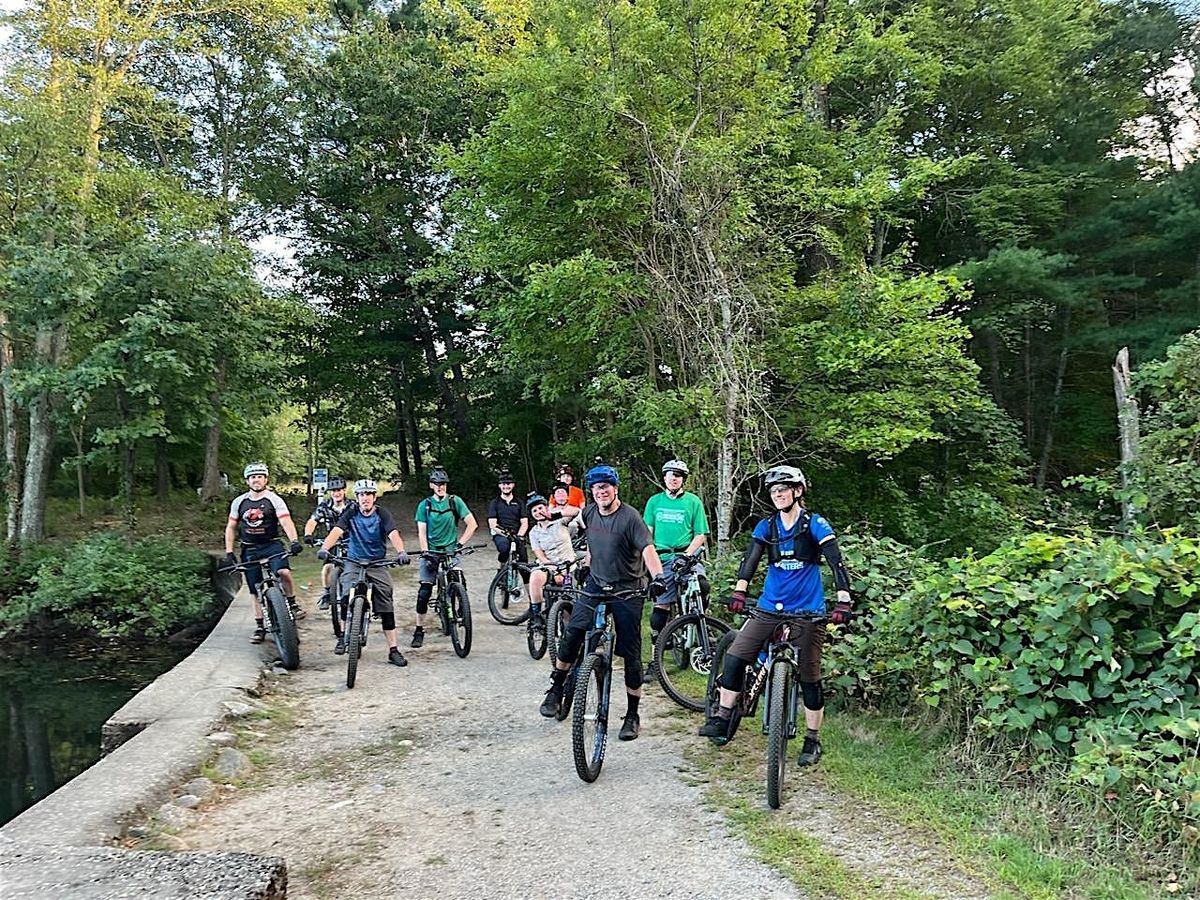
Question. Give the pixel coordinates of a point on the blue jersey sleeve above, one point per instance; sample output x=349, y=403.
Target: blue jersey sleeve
x=820, y=528
x=762, y=530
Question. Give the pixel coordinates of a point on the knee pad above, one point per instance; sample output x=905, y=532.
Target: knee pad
x=569, y=646
x=633, y=672
x=424, y=592
x=814, y=695
x=658, y=618
x=734, y=673
x=388, y=621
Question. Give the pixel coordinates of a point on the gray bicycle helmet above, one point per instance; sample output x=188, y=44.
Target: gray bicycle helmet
x=676, y=465
x=438, y=476
x=365, y=486
x=256, y=468
x=535, y=499
x=336, y=483
x=784, y=475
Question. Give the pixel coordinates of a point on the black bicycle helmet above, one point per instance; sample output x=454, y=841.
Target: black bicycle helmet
x=438, y=476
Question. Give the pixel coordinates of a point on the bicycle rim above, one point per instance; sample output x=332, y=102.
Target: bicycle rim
x=589, y=722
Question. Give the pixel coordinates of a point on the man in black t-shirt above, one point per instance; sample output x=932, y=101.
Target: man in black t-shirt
x=620, y=555
x=507, y=518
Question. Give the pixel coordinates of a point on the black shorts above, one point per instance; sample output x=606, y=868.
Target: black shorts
x=807, y=637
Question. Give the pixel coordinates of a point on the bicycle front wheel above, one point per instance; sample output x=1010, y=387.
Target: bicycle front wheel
x=354, y=623
x=556, y=624
x=684, y=652
x=535, y=636
x=459, y=615
x=283, y=626
x=508, y=597
x=777, y=732
x=589, y=722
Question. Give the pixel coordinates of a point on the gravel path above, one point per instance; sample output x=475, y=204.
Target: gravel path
x=442, y=779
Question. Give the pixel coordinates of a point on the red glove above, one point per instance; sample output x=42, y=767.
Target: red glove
x=842, y=613
x=737, y=602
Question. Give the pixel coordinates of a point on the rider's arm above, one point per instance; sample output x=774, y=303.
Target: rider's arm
x=749, y=564
x=653, y=563
x=469, y=521
x=841, y=577
x=310, y=526
x=230, y=534
x=397, y=541
x=423, y=537
x=566, y=513
x=697, y=542
x=331, y=539
x=493, y=524
x=524, y=529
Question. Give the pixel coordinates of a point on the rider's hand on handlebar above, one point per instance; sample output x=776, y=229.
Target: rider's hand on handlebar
x=322, y=554
x=658, y=587
x=297, y=548
x=229, y=561
x=843, y=610
x=458, y=545
x=312, y=540
x=737, y=602
x=403, y=558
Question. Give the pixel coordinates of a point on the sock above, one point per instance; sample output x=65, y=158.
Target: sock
x=535, y=608
x=559, y=676
x=634, y=700
x=292, y=599
x=725, y=712
x=810, y=733
x=418, y=629
x=260, y=622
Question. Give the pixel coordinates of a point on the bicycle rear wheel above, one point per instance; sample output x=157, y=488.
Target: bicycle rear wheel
x=589, y=722
x=459, y=615
x=556, y=624
x=684, y=652
x=508, y=596
x=535, y=636
x=283, y=626
x=354, y=623
x=777, y=732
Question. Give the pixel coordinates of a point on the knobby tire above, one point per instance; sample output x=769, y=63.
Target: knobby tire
x=556, y=624
x=589, y=722
x=516, y=610
x=460, y=618
x=535, y=637
x=777, y=732
x=353, y=638
x=287, y=641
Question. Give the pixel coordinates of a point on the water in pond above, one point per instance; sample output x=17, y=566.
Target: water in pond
x=52, y=706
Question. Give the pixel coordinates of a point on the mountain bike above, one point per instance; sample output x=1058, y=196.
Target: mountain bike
x=508, y=594
x=450, y=600
x=592, y=680
x=687, y=645
x=773, y=677
x=277, y=615
x=358, y=604
x=537, y=628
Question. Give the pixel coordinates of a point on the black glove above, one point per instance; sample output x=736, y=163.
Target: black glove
x=557, y=514
x=311, y=540
x=297, y=548
x=658, y=587
x=229, y=561
x=402, y=558
x=842, y=613
x=322, y=555
x=737, y=602
x=458, y=545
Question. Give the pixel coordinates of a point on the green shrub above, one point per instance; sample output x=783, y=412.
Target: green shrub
x=1079, y=649
x=107, y=585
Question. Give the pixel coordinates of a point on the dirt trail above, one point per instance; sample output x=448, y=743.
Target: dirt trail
x=442, y=779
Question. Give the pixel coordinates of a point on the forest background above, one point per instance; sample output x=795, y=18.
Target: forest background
x=896, y=243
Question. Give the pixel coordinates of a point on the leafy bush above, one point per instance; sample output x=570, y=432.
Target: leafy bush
x=1078, y=648
x=106, y=585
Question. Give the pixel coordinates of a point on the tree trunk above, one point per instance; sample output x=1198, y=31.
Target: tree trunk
x=401, y=423
x=162, y=469
x=1127, y=422
x=12, y=435
x=78, y=433
x=49, y=347
x=211, y=487
x=1056, y=402
x=1028, y=360
x=126, y=452
x=413, y=433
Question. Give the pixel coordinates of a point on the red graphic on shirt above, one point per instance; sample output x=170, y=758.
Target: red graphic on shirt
x=254, y=517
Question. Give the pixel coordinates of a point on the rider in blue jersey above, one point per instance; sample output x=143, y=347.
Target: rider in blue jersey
x=794, y=540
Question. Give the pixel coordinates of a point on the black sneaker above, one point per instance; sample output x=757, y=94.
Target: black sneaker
x=340, y=647
x=418, y=638
x=553, y=701
x=651, y=673
x=323, y=603
x=260, y=635
x=810, y=753
x=396, y=658
x=716, y=730
x=631, y=727
x=298, y=612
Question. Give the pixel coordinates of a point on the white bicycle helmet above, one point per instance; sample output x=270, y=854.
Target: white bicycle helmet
x=676, y=465
x=256, y=468
x=784, y=475
x=365, y=486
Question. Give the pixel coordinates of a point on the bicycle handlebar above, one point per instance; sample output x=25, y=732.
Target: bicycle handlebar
x=249, y=564
x=756, y=613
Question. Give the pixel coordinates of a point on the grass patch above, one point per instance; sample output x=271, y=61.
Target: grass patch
x=1039, y=839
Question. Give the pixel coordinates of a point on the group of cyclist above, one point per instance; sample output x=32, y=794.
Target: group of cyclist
x=629, y=554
